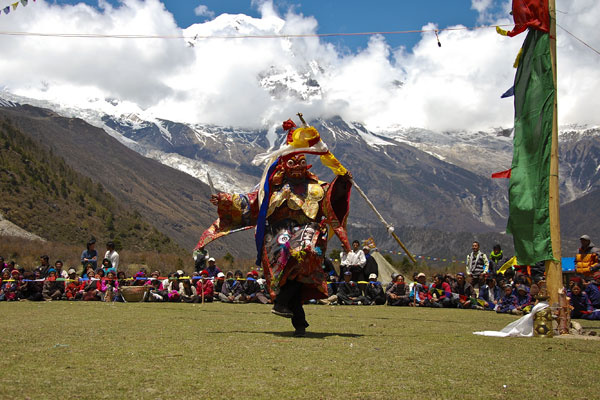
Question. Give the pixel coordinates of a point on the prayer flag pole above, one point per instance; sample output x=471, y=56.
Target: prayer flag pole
x=553, y=267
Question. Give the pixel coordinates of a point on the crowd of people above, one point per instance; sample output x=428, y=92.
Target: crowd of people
x=484, y=285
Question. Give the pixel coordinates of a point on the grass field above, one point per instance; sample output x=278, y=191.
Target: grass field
x=89, y=350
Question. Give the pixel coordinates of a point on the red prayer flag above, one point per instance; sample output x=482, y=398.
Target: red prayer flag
x=502, y=174
x=530, y=14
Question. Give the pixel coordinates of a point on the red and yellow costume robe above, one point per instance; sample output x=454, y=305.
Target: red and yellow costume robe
x=300, y=217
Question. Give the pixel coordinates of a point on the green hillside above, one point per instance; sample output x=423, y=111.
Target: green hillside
x=43, y=195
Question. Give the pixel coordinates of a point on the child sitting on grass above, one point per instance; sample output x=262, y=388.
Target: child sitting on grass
x=507, y=302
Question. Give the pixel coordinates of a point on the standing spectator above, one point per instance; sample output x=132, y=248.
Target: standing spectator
x=232, y=289
x=44, y=266
x=353, y=261
x=90, y=255
x=464, y=290
x=374, y=290
x=477, y=264
x=371, y=266
x=52, y=290
x=399, y=293
x=508, y=302
x=490, y=294
x=212, y=268
x=200, y=257
x=497, y=259
x=587, y=258
x=205, y=287
x=349, y=293
x=112, y=255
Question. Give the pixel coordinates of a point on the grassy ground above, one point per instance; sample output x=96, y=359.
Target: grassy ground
x=147, y=350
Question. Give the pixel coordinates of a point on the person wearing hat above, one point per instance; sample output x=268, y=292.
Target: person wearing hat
x=349, y=293
x=374, y=291
x=524, y=301
x=8, y=286
x=73, y=287
x=212, y=268
x=232, y=289
x=587, y=258
x=219, y=281
x=90, y=255
x=252, y=292
x=205, y=287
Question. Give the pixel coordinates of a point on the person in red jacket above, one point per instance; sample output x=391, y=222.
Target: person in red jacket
x=441, y=293
x=73, y=287
x=205, y=287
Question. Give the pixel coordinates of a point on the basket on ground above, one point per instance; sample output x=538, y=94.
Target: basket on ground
x=133, y=294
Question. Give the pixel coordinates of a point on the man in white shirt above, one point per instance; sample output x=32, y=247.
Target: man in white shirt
x=353, y=261
x=112, y=255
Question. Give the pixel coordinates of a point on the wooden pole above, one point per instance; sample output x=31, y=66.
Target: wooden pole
x=553, y=267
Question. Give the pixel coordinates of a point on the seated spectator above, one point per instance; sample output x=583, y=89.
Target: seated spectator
x=187, y=292
x=524, y=302
x=441, y=293
x=73, y=287
x=154, y=276
x=44, y=266
x=399, y=293
x=582, y=307
x=88, y=272
x=205, y=287
x=465, y=292
x=8, y=286
x=92, y=289
x=592, y=290
x=374, y=291
x=110, y=285
x=173, y=287
x=252, y=292
x=420, y=295
x=332, y=286
x=29, y=289
x=53, y=289
x=394, y=276
x=508, y=302
x=122, y=278
x=349, y=293
x=106, y=265
x=60, y=273
x=139, y=279
x=232, y=289
x=490, y=294
x=156, y=291
x=219, y=284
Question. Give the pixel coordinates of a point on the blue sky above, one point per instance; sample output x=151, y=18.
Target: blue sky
x=344, y=16
x=383, y=82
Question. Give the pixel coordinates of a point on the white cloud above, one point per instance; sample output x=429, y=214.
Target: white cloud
x=203, y=11
x=456, y=86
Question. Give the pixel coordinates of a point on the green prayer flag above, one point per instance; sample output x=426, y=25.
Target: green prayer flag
x=529, y=220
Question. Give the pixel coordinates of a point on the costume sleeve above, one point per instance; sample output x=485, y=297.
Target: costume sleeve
x=336, y=207
x=236, y=212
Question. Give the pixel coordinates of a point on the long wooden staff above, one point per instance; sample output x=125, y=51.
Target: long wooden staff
x=389, y=227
